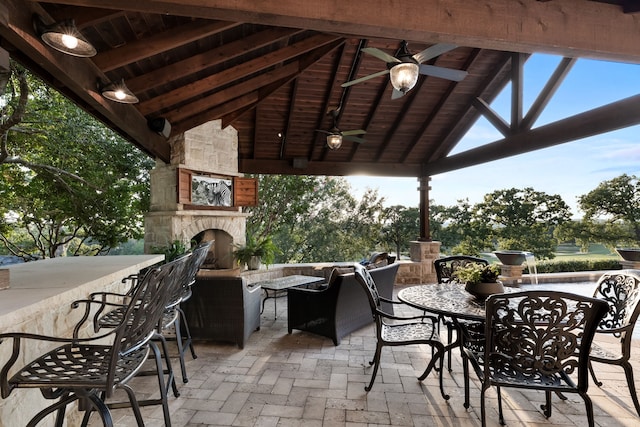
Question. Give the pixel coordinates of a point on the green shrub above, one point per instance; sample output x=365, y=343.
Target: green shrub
x=583, y=265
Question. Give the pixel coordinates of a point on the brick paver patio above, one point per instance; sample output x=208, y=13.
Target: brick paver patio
x=304, y=380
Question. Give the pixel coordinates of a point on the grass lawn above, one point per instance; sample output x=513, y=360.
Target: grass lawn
x=596, y=252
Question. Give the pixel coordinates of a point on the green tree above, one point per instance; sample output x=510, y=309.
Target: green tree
x=401, y=225
x=312, y=218
x=69, y=184
x=462, y=231
x=612, y=211
x=523, y=219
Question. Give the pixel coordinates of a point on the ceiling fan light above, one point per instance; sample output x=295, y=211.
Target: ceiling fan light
x=404, y=76
x=119, y=92
x=64, y=37
x=334, y=141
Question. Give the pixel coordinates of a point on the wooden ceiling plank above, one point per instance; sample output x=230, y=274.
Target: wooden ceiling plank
x=226, y=52
x=215, y=113
x=77, y=77
x=213, y=81
x=85, y=16
x=610, y=117
x=288, y=120
x=227, y=94
x=547, y=92
x=158, y=43
x=571, y=28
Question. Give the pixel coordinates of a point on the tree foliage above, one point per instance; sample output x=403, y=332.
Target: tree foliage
x=69, y=184
x=314, y=218
x=612, y=212
x=401, y=225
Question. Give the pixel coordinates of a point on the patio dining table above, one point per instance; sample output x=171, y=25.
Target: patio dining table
x=447, y=299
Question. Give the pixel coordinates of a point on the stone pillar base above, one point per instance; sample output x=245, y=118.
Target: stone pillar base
x=630, y=264
x=511, y=275
x=422, y=256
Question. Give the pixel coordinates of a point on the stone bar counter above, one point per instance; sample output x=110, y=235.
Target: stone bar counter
x=39, y=299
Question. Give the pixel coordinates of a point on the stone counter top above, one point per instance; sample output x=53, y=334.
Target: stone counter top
x=38, y=285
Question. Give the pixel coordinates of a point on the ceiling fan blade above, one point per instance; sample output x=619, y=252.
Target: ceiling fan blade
x=396, y=94
x=365, y=78
x=353, y=132
x=374, y=51
x=443, y=73
x=355, y=139
x=323, y=131
x=433, y=51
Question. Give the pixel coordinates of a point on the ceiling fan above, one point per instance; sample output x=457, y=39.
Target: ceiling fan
x=404, y=68
x=335, y=135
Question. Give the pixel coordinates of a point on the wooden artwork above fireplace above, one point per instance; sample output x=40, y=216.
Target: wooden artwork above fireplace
x=208, y=191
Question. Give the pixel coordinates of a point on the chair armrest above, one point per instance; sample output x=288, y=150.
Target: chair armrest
x=89, y=304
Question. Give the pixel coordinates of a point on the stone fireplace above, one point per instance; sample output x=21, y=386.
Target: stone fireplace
x=206, y=149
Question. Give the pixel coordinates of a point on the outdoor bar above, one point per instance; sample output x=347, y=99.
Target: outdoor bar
x=38, y=301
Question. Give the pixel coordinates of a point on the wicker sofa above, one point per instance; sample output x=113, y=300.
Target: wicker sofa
x=223, y=309
x=339, y=307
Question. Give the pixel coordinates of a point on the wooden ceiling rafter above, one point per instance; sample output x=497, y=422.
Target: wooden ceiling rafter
x=439, y=105
x=158, y=43
x=327, y=106
x=208, y=59
x=228, y=76
x=85, y=16
x=496, y=79
x=292, y=107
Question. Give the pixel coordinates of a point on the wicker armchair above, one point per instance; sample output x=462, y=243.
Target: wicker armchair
x=538, y=340
x=88, y=370
x=621, y=289
x=341, y=307
x=223, y=309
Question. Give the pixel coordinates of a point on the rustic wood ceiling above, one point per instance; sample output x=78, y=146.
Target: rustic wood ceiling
x=274, y=71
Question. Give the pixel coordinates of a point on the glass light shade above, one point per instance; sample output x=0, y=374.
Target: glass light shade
x=119, y=92
x=334, y=141
x=404, y=76
x=65, y=37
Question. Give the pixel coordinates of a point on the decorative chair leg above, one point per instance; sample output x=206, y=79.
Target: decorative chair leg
x=547, y=406
x=375, y=363
x=500, y=412
x=628, y=370
x=163, y=390
x=187, y=331
x=589, y=408
x=593, y=375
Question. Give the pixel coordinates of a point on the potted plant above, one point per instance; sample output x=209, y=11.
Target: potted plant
x=480, y=280
x=255, y=252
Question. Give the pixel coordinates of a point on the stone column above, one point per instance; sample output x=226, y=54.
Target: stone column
x=422, y=254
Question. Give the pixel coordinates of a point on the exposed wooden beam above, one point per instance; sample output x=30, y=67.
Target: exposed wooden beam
x=607, y=118
x=221, y=97
x=285, y=167
x=571, y=28
x=215, y=113
x=217, y=80
x=213, y=57
x=76, y=77
x=158, y=43
x=441, y=102
x=517, y=89
x=547, y=92
x=492, y=116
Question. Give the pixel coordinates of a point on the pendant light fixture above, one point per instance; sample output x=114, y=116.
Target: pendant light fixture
x=64, y=37
x=119, y=92
x=334, y=141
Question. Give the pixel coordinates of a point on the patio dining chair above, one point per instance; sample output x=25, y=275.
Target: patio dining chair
x=394, y=330
x=88, y=370
x=621, y=290
x=446, y=273
x=536, y=340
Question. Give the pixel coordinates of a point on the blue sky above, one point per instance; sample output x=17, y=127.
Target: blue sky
x=569, y=170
